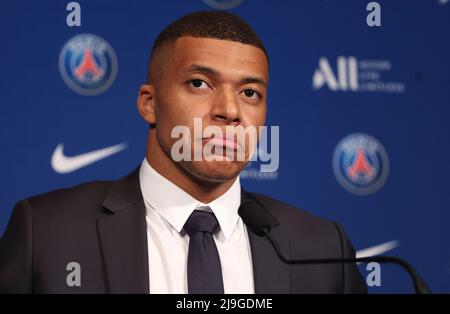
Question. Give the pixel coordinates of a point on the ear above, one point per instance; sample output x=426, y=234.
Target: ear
x=146, y=103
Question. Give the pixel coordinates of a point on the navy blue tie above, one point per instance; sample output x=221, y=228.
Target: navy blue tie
x=203, y=268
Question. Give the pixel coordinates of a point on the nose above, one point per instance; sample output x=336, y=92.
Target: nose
x=226, y=108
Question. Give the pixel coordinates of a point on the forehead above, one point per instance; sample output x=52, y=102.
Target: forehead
x=227, y=57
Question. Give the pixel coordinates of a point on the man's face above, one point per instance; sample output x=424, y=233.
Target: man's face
x=224, y=83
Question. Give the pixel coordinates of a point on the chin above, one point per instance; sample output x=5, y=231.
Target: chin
x=214, y=171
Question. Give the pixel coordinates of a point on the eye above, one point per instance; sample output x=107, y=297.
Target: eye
x=250, y=93
x=197, y=83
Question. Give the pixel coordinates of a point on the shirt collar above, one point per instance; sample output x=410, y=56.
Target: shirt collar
x=175, y=205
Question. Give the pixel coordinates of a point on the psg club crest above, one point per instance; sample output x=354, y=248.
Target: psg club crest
x=360, y=164
x=88, y=64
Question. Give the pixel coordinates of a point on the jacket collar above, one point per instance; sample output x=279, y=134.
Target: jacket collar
x=123, y=237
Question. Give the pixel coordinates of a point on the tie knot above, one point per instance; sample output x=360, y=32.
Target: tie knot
x=201, y=221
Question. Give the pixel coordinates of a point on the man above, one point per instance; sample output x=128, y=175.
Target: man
x=173, y=226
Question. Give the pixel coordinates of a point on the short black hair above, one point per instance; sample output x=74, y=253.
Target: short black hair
x=208, y=24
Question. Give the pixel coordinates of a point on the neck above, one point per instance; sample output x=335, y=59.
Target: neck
x=202, y=190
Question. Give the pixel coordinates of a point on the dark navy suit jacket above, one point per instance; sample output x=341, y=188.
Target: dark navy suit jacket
x=101, y=226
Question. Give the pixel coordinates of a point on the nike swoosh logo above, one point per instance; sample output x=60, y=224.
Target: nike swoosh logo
x=65, y=164
x=378, y=249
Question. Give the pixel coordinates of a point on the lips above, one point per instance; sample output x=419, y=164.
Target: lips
x=224, y=141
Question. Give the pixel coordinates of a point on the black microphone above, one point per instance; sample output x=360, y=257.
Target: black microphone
x=261, y=222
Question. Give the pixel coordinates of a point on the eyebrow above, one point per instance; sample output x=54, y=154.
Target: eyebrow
x=211, y=71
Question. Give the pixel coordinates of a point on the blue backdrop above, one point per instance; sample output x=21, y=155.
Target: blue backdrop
x=332, y=76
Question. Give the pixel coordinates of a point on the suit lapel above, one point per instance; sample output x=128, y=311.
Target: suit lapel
x=270, y=274
x=123, y=237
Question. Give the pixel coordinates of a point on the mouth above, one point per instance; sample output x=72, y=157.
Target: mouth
x=229, y=143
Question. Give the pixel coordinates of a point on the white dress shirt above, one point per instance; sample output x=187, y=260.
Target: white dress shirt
x=167, y=209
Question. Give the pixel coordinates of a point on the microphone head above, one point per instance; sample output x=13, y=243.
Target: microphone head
x=256, y=217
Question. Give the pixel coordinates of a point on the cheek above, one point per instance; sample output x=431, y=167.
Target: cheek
x=177, y=107
x=255, y=115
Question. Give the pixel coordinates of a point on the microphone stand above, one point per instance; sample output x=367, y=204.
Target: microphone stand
x=419, y=285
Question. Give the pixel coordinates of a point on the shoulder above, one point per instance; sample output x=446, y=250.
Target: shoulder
x=289, y=213
x=298, y=222
x=77, y=200
x=83, y=201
